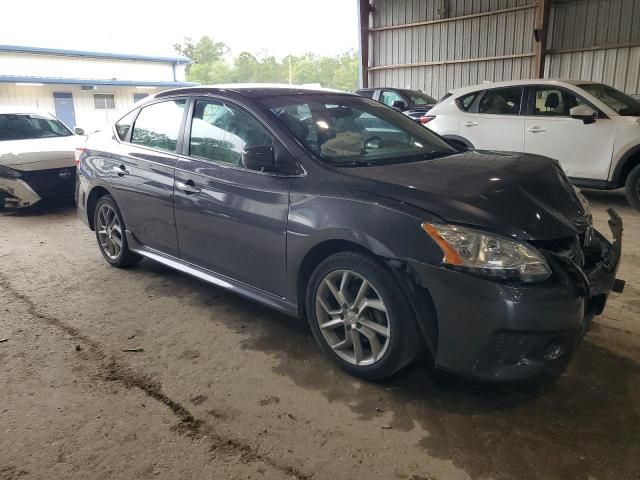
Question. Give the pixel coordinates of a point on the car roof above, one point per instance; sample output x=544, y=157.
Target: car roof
x=252, y=90
x=516, y=83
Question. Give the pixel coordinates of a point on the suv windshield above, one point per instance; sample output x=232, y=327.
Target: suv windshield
x=350, y=131
x=28, y=126
x=419, y=98
x=622, y=103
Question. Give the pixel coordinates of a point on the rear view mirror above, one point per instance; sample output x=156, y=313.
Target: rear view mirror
x=399, y=105
x=259, y=158
x=584, y=113
x=78, y=131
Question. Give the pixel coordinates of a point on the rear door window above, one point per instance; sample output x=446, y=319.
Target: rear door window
x=501, y=101
x=157, y=125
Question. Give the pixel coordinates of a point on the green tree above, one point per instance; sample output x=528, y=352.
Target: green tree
x=206, y=51
x=209, y=65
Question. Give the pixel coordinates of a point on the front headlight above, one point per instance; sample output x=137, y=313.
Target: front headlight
x=488, y=255
x=6, y=172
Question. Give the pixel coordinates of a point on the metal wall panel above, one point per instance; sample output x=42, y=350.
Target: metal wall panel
x=595, y=40
x=450, y=52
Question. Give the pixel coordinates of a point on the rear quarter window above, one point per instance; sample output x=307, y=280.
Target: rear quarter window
x=464, y=103
x=124, y=125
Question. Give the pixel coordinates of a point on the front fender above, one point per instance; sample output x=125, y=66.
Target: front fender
x=387, y=232
x=379, y=228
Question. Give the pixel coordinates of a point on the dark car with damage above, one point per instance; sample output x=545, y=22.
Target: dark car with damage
x=339, y=209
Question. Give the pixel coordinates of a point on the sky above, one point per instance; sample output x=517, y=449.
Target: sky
x=279, y=27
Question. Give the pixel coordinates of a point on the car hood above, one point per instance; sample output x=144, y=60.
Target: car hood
x=39, y=153
x=520, y=195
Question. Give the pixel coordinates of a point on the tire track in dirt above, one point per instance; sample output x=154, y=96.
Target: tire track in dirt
x=114, y=370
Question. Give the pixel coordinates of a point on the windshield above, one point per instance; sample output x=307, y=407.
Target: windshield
x=622, y=103
x=348, y=130
x=418, y=98
x=29, y=126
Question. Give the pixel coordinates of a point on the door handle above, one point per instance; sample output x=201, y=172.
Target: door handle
x=187, y=187
x=537, y=129
x=121, y=171
x=470, y=124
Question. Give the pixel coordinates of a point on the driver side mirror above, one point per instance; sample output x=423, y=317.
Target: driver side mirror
x=399, y=105
x=584, y=113
x=259, y=158
x=79, y=131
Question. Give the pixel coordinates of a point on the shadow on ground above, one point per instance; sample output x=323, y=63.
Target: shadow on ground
x=43, y=207
x=587, y=424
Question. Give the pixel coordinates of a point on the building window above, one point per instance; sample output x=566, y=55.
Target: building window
x=104, y=101
x=139, y=96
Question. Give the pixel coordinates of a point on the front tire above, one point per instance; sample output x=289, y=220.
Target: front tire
x=360, y=317
x=110, y=234
x=632, y=187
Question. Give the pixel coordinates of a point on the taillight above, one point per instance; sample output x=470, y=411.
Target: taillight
x=78, y=154
x=426, y=119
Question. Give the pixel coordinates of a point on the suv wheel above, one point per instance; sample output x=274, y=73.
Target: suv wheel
x=110, y=233
x=632, y=187
x=360, y=316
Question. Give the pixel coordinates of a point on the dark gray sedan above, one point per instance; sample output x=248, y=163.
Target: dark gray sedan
x=337, y=208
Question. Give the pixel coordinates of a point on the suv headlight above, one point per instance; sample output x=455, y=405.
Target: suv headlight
x=488, y=255
x=6, y=172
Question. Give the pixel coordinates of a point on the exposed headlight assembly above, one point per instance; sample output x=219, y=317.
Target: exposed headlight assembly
x=6, y=172
x=488, y=255
x=584, y=203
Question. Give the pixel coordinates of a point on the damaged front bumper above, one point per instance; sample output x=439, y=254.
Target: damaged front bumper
x=16, y=193
x=500, y=331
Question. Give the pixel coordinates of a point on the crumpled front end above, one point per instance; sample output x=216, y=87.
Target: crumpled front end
x=16, y=193
x=504, y=331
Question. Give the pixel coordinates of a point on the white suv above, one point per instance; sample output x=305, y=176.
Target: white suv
x=593, y=130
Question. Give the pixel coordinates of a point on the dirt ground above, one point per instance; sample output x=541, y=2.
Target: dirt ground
x=225, y=388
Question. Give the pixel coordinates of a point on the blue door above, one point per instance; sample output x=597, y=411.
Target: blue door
x=65, y=110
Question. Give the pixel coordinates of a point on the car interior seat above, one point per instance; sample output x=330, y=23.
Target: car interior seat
x=552, y=102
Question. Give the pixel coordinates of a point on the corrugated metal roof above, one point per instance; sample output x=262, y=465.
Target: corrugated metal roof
x=436, y=46
x=89, y=81
x=91, y=54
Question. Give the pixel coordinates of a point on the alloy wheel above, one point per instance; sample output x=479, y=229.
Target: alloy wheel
x=109, y=232
x=352, y=317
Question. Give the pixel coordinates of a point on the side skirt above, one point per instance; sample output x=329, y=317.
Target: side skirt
x=594, y=184
x=252, y=293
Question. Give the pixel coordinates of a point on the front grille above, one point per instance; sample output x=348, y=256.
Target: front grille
x=55, y=182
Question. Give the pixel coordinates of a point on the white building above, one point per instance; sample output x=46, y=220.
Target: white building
x=84, y=89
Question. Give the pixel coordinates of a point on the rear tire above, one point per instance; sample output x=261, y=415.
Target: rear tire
x=110, y=234
x=632, y=187
x=360, y=317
